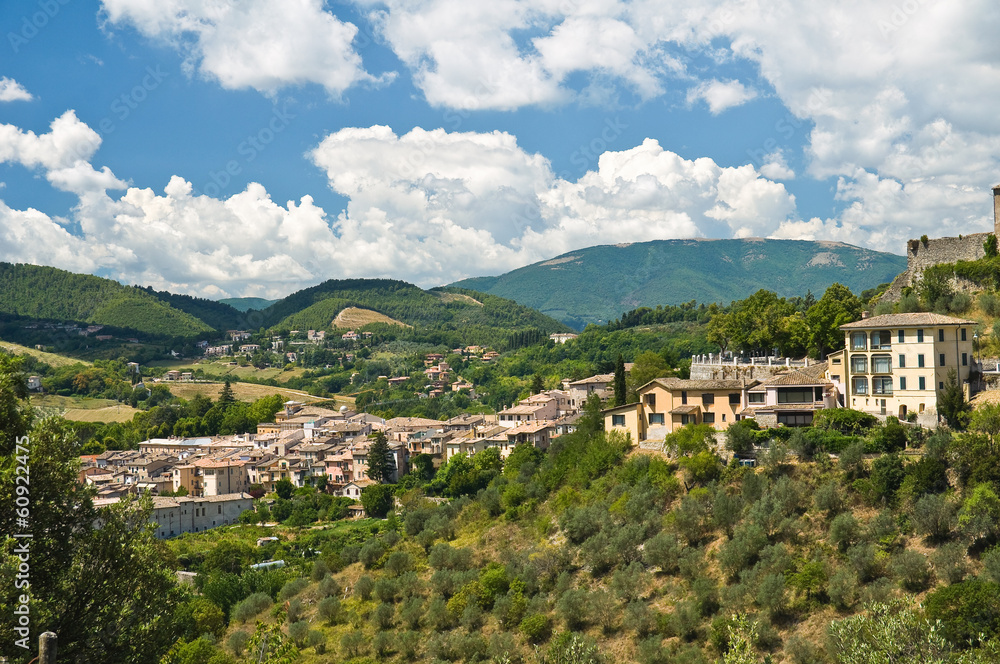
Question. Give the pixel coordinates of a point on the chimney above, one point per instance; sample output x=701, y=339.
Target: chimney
x=864, y=315
x=996, y=210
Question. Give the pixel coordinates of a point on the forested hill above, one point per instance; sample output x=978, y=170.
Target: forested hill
x=247, y=303
x=598, y=284
x=35, y=291
x=444, y=309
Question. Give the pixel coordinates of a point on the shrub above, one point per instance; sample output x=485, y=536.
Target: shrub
x=237, y=642
x=353, y=643
x=408, y=644
x=371, y=553
x=842, y=589
x=328, y=587
x=912, y=570
x=350, y=553
x=950, y=562
x=292, y=588
x=536, y=628
x=844, y=530
x=573, y=608
x=639, y=617
x=398, y=563
x=989, y=302
x=363, y=587
x=830, y=499
x=382, y=616
x=320, y=570
x=329, y=609
x=386, y=589
x=445, y=556
x=865, y=561
x=845, y=420
x=887, y=476
x=991, y=564
x=771, y=594
x=295, y=610
x=966, y=611
x=251, y=607
x=852, y=461
x=934, y=516
x=298, y=632
x=411, y=612
x=383, y=644
x=377, y=499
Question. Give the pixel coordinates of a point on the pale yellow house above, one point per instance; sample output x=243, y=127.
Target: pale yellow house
x=897, y=364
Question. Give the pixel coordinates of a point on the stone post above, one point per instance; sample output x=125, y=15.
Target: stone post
x=47, y=648
x=996, y=210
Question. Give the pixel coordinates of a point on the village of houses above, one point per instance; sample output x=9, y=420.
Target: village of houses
x=894, y=364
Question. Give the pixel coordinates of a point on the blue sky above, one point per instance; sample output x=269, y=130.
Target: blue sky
x=254, y=147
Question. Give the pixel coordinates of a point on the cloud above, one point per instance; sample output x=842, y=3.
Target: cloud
x=720, y=95
x=428, y=206
x=776, y=168
x=11, y=90
x=261, y=44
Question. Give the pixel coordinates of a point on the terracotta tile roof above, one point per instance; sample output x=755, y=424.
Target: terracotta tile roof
x=685, y=410
x=687, y=384
x=599, y=378
x=810, y=376
x=905, y=320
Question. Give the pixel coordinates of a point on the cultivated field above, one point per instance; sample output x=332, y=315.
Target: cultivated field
x=83, y=409
x=49, y=358
x=245, y=392
x=353, y=317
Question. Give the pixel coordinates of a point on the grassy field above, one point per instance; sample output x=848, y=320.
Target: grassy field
x=219, y=370
x=244, y=392
x=83, y=409
x=353, y=317
x=49, y=358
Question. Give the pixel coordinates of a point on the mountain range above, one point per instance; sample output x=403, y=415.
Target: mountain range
x=598, y=284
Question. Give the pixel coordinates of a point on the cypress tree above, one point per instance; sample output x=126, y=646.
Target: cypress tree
x=380, y=465
x=620, y=382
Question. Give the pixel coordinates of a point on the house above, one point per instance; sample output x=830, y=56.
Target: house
x=35, y=383
x=223, y=476
x=249, y=348
x=316, y=335
x=349, y=336
x=667, y=404
x=176, y=516
x=580, y=390
x=791, y=398
x=172, y=375
x=562, y=337
x=897, y=364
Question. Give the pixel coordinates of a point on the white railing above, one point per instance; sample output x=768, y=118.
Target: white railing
x=717, y=359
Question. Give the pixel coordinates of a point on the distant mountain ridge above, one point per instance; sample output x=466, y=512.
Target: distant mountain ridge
x=598, y=284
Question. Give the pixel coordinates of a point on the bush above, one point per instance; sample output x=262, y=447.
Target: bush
x=844, y=531
x=830, y=499
x=639, y=617
x=408, y=644
x=329, y=609
x=298, y=632
x=328, y=587
x=383, y=644
x=237, y=642
x=966, y=610
x=371, y=553
x=251, y=607
x=950, y=562
x=934, y=516
x=989, y=302
x=377, y=499
x=353, y=643
x=887, y=476
x=845, y=420
x=382, y=616
x=295, y=610
x=292, y=588
x=399, y=562
x=573, y=609
x=842, y=589
x=363, y=587
x=912, y=570
x=536, y=628
x=320, y=570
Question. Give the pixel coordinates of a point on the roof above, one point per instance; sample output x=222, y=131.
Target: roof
x=685, y=410
x=626, y=406
x=688, y=384
x=522, y=409
x=797, y=377
x=599, y=378
x=780, y=408
x=905, y=320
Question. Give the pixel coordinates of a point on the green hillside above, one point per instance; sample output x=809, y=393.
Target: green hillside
x=247, y=303
x=48, y=293
x=600, y=283
x=452, y=309
x=218, y=315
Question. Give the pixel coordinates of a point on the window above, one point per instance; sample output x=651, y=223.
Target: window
x=861, y=386
x=941, y=359
x=902, y=361
x=920, y=361
x=755, y=397
x=858, y=341
x=708, y=398
x=220, y=509
x=963, y=333
x=859, y=364
x=795, y=419
x=686, y=420
x=795, y=395
x=941, y=385
x=881, y=340
x=940, y=335
x=655, y=418
x=881, y=364
x=901, y=336
x=965, y=358
x=617, y=420
x=902, y=382
x=922, y=383
x=734, y=399
x=882, y=385
x=708, y=418
x=920, y=336
x=684, y=398
x=650, y=400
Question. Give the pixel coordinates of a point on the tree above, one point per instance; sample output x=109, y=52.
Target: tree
x=377, y=499
x=284, y=488
x=620, y=393
x=986, y=420
x=536, y=384
x=837, y=307
x=227, y=397
x=952, y=404
x=380, y=459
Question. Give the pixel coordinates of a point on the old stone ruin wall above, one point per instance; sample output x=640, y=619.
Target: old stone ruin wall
x=919, y=257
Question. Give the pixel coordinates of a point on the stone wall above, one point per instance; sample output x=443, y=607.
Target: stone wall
x=747, y=372
x=937, y=251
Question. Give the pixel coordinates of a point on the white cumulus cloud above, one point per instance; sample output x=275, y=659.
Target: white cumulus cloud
x=259, y=44
x=720, y=95
x=11, y=90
